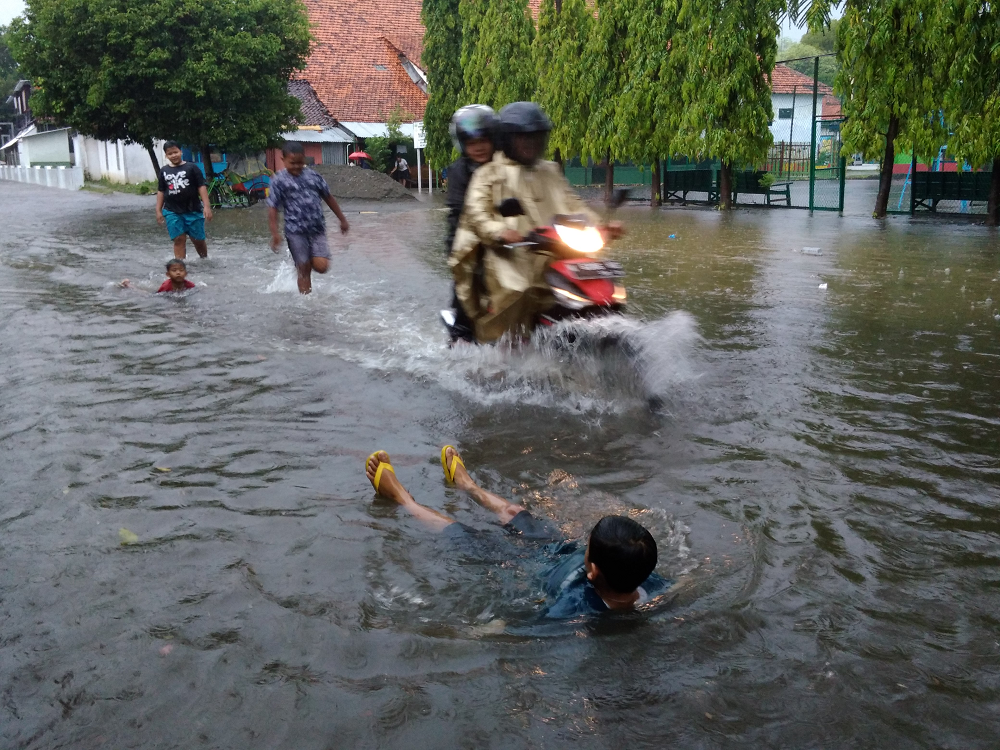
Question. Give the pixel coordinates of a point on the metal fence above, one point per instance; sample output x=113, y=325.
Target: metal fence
x=939, y=185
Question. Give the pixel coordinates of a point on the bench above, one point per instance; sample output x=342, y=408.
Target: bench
x=929, y=188
x=676, y=185
x=749, y=182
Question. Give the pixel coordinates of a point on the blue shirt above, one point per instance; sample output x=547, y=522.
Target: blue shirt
x=301, y=198
x=571, y=595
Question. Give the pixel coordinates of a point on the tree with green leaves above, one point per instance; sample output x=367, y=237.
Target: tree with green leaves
x=564, y=27
x=730, y=51
x=208, y=73
x=442, y=58
x=501, y=60
x=9, y=75
x=794, y=52
x=887, y=79
x=471, y=13
x=649, y=108
x=969, y=44
x=824, y=38
x=607, y=62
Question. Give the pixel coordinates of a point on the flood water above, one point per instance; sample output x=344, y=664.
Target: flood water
x=821, y=471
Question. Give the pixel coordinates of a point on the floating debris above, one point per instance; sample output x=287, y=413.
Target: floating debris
x=127, y=537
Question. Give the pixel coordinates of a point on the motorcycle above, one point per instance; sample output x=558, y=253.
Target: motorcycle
x=584, y=284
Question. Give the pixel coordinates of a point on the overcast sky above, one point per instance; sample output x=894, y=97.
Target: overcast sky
x=9, y=9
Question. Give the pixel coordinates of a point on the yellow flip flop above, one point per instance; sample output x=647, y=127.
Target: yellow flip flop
x=449, y=474
x=378, y=472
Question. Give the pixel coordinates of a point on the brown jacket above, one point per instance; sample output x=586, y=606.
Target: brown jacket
x=512, y=290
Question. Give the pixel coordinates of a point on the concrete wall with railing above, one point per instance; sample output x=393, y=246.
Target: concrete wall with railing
x=67, y=178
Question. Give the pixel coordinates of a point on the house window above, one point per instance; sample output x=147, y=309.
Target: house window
x=785, y=114
x=381, y=67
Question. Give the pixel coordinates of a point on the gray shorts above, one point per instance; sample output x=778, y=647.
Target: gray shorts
x=305, y=247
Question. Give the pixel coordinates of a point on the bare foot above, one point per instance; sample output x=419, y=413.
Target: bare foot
x=125, y=284
x=388, y=485
x=462, y=479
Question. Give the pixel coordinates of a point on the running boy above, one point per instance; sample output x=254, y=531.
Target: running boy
x=182, y=202
x=613, y=572
x=298, y=190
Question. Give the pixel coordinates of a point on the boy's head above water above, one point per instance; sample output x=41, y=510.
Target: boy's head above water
x=620, y=554
x=294, y=157
x=172, y=150
x=176, y=269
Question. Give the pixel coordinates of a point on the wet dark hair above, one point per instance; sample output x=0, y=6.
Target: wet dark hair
x=170, y=144
x=176, y=262
x=624, y=551
x=292, y=147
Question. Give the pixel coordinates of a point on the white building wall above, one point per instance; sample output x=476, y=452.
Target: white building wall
x=67, y=178
x=117, y=161
x=797, y=129
x=50, y=148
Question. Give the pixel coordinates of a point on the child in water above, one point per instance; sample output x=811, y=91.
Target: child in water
x=613, y=572
x=298, y=191
x=182, y=202
x=177, y=280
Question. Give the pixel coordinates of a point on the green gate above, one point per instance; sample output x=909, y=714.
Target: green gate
x=828, y=169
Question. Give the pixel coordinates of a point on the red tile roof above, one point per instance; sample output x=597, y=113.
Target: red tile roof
x=355, y=66
x=831, y=107
x=313, y=111
x=784, y=80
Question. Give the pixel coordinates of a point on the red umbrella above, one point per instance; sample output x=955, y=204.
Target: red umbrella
x=358, y=155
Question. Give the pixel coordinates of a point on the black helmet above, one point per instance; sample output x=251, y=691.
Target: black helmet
x=523, y=118
x=472, y=121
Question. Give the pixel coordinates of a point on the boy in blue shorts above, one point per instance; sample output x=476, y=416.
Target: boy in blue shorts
x=182, y=202
x=300, y=193
x=613, y=572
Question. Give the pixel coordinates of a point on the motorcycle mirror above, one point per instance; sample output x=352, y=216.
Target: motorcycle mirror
x=510, y=207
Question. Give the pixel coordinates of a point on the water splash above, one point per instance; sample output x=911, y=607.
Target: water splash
x=604, y=365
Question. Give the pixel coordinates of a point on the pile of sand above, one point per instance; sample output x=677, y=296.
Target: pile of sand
x=362, y=184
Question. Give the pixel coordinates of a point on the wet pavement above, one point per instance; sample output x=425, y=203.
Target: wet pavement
x=821, y=472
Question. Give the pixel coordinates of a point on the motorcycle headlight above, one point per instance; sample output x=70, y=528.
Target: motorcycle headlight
x=585, y=240
x=570, y=300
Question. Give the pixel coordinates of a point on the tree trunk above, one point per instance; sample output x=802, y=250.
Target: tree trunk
x=557, y=157
x=206, y=158
x=152, y=157
x=609, y=178
x=885, y=180
x=725, y=186
x=993, y=205
x=655, y=184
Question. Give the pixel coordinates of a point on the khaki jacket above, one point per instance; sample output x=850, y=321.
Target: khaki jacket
x=511, y=291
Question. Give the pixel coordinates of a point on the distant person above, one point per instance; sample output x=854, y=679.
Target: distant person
x=473, y=130
x=177, y=280
x=401, y=170
x=300, y=193
x=182, y=202
x=613, y=572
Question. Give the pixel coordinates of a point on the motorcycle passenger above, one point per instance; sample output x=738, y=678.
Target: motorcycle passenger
x=473, y=129
x=513, y=290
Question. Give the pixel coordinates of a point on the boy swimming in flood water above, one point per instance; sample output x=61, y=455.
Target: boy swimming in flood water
x=298, y=191
x=177, y=280
x=613, y=572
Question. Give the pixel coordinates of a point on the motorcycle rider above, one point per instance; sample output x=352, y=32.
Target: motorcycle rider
x=473, y=130
x=509, y=291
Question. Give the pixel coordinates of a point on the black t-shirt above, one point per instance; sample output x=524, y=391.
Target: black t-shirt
x=459, y=175
x=179, y=186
